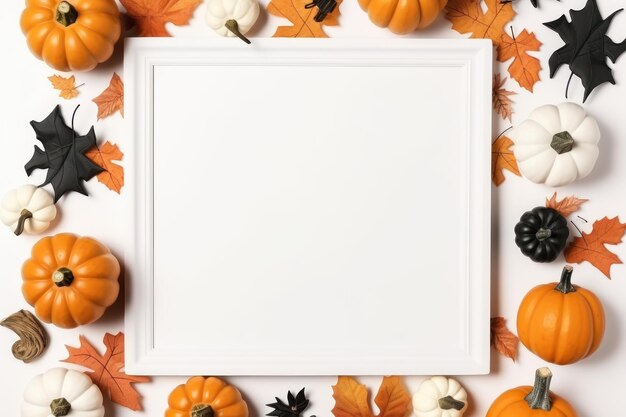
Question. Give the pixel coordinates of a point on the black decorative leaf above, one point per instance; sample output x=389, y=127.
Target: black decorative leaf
x=296, y=405
x=63, y=154
x=586, y=46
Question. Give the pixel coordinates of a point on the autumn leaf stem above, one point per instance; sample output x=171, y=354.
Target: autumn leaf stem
x=568, y=83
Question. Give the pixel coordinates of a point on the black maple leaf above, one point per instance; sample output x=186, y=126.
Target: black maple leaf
x=296, y=405
x=63, y=154
x=586, y=46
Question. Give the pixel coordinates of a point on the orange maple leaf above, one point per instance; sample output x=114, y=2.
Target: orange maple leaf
x=111, y=99
x=502, y=339
x=467, y=16
x=107, y=369
x=502, y=104
x=302, y=19
x=113, y=174
x=525, y=68
x=351, y=398
x=502, y=158
x=67, y=86
x=150, y=16
x=566, y=206
x=591, y=247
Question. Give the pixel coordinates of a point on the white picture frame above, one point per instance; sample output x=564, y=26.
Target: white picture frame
x=383, y=169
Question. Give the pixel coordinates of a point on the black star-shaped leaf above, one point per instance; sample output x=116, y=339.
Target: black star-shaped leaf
x=63, y=155
x=586, y=46
x=296, y=405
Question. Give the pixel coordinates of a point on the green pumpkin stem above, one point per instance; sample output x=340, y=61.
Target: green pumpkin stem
x=449, y=403
x=202, y=410
x=565, y=284
x=66, y=14
x=24, y=215
x=562, y=142
x=543, y=234
x=63, y=277
x=60, y=407
x=233, y=26
x=539, y=397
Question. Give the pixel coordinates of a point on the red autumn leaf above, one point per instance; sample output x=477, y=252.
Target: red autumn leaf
x=111, y=99
x=502, y=339
x=113, y=174
x=107, y=370
x=500, y=98
x=351, y=398
x=152, y=15
x=591, y=247
x=566, y=206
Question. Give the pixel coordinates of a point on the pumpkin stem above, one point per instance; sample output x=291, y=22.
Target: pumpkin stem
x=233, y=26
x=202, y=410
x=539, y=397
x=543, y=234
x=562, y=142
x=60, y=407
x=66, y=14
x=448, y=403
x=24, y=215
x=63, y=277
x=565, y=285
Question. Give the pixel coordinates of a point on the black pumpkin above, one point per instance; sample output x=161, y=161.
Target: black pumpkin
x=541, y=234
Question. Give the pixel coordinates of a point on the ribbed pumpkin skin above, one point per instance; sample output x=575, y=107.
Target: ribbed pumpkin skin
x=94, y=288
x=78, y=47
x=403, y=16
x=224, y=399
x=511, y=403
x=560, y=328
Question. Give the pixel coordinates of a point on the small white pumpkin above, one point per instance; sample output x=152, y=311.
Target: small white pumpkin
x=440, y=397
x=28, y=209
x=62, y=392
x=557, y=144
x=232, y=17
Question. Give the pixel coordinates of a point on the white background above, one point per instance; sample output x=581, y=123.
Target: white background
x=593, y=386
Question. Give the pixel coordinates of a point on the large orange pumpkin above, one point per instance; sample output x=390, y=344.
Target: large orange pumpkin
x=403, y=16
x=70, y=280
x=560, y=322
x=206, y=397
x=71, y=35
x=532, y=401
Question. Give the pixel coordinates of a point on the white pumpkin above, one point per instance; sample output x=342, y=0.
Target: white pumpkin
x=557, y=144
x=28, y=209
x=62, y=392
x=232, y=17
x=440, y=397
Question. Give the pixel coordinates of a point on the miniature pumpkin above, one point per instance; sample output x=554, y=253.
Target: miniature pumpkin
x=560, y=322
x=62, y=392
x=28, y=209
x=70, y=280
x=440, y=397
x=541, y=234
x=71, y=35
x=527, y=401
x=206, y=397
x=403, y=16
x=232, y=17
x=557, y=144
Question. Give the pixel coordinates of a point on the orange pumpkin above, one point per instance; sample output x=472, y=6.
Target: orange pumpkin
x=532, y=401
x=206, y=397
x=403, y=16
x=561, y=323
x=70, y=280
x=71, y=35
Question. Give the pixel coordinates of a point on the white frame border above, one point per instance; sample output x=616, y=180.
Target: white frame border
x=142, y=54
